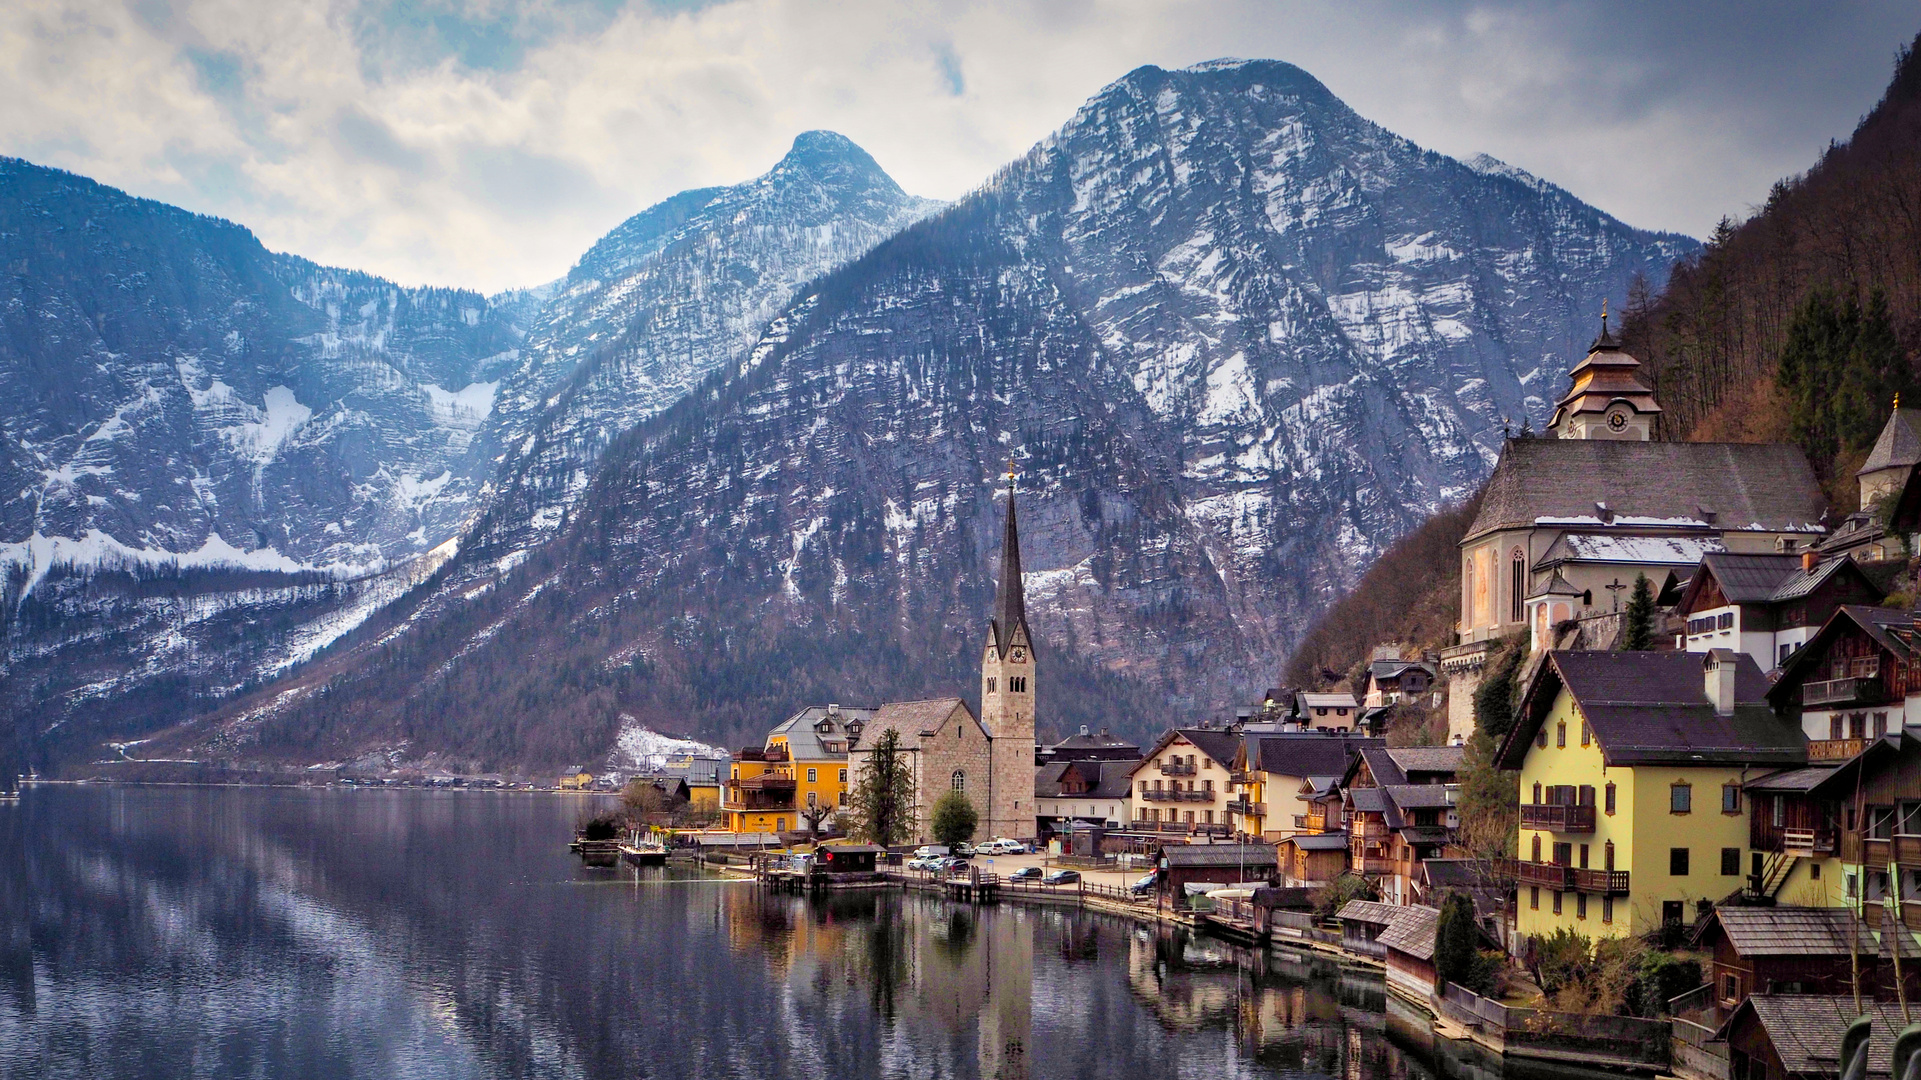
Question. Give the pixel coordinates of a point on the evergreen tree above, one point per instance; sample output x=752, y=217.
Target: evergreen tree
x=1839, y=370
x=954, y=818
x=1640, y=616
x=1455, y=943
x=882, y=802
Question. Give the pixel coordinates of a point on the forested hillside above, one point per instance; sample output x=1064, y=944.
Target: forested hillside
x=1801, y=322
x=1798, y=324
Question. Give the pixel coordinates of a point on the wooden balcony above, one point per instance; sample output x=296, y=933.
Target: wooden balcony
x=1172, y=795
x=1901, y=848
x=1378, y=866
x=1860, y=690
x=1808, y=842
x=1247, y=807
x=1176, y=768
x=1546, y=875
x=1835, y=749
x=1558, y=817
x=1602, y=882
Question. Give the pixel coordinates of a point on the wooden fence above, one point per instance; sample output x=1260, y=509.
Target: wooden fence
x=1619, y=1041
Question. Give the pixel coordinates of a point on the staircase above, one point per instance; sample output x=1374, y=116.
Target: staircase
x=1774, y=872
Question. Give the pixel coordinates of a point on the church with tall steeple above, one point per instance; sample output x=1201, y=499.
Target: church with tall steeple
x=989, y=759
x=1008, y=687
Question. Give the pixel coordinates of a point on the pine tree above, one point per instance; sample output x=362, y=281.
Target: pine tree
x=882, y=803
x=1640, y=616
x=1455, y=943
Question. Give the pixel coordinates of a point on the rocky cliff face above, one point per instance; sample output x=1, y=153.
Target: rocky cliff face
x=1235, y=338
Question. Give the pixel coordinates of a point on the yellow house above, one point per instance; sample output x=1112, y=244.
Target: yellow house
x=799, y=776
x=1631, y=769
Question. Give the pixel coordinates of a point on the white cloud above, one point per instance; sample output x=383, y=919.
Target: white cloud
x=488, y=145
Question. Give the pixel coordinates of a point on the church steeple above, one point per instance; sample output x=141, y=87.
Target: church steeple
x=1606, y=398
x=1010, y=599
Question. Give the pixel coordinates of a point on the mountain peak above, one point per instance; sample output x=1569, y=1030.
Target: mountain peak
x=832, y=158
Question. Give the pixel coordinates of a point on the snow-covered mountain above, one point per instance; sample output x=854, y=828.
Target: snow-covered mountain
x=668, y=298
x=184, y=406
x=1237, y=339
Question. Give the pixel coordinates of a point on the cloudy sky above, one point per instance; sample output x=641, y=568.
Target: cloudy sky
x=487, y=143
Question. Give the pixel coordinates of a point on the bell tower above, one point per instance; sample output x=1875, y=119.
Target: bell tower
x=1606, y=398
x=1007, y=694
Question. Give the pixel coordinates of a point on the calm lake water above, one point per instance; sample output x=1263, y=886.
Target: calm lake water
x=170, y=932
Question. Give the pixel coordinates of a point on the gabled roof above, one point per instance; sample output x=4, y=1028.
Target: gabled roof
x=1652, y=708
x=1795, y=931
x=1411, y=931
x=1766, y=579
x=1806, y=1030
x=1592, y=547
x=1898, y=445
x=1880, y=624
x=1252, y=856
x=1341, y=700
x=1327, y=841
x=803, y=734
x=1434, y=759
x=1219, y=745
x=910, y=718
x=1744, y=485
x=1389, y=669
x=1380, y=764
x=1305, y=753
x=1368, y=911
x=1085, y=741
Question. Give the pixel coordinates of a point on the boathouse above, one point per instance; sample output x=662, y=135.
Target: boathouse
x=1214, y=864
x=848, y=858
x=1409, y=943
x=1361, y=924
x=1792, y=950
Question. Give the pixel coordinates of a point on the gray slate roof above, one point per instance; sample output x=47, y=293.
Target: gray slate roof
x=1114, y=782
x=804, y=742
x=1590, y=547
x=1649, y=708
x=1420, y=796
x=1436, y=759
x=1327, y=841
x=1767, y=579
x=1211, y=855
x=910, y=718
x=1796, y=931
x=1305, y=753
x=1899, y=443
x=1806, y=1030
x=1745, y=485
x=1411, y=931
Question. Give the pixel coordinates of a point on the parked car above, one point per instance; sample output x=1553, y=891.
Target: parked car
x=966, y=850
x=929, y=864
x=930, y=852
x=1002, y=846
x=1062, y=877
x=1025, y=873
x=1143, y=886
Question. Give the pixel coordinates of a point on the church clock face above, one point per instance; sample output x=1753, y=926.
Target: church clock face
x=1617, y=420
x=1019, y=655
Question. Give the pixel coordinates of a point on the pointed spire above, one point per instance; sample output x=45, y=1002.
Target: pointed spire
x=1010, y=599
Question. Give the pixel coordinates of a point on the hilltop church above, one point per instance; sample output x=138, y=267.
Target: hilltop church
x=990, y=759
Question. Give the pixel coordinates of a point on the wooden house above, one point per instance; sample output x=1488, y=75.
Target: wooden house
x=1790, y=950
x=1314, y=857
x=1182, y=865
x=1850, y=682
x=1798, y=1036
x=848, y=858
x=1409, y=944
x=1362, y=922
x=1767, y=605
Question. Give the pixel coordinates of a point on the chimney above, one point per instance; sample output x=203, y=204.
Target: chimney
x=1601, y=510
x=1807, y=561
x=1720, y=667
x=1083, y=729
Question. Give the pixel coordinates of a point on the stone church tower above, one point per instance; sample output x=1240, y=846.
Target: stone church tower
x=1007, y=697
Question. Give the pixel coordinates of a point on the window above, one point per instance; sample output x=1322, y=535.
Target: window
x=1880, y=724
x=1560, y=734
x=1517, y=586
x=1537, y=793
x=1834, y=726
x=1880, y=822
x=1207, y=817
x=1730, y=862
x=1858, y=725
x=1726, y=621
x=1580, y=905
x=1780, y=815
x=1814, y=871
x=1584, y=733
x=813, y=776
x=1909, y=821
x=1730, y=798
x=1672, y=911
x=990, y=683
x=1877, y=886
x=1607, y=909
x=1730, y=987
x=1610, y=798
x=813, y=798
x=843, y=776
x=1681, y=798
x=1785, y=651
x=1534, y=897
x=1537, y=847
x=1557, y=903
x=1564, y=854
x=780, y=824
x=1607, y=855
x=1017, y=683
x=1583, y=863
x=959, y=780
x=1540, y=739
x=1678, y=862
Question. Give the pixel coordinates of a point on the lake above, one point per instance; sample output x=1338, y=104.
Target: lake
x=205, y=932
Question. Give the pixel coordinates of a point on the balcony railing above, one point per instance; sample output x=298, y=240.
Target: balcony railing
x=1247, y=807
x=1558, y=817
x=1861, y=688
x=1604, y=882
x=1172, y=795
x=1546, y=875
x=1808, y=842
x=1176, y=768
x=1835, y=749
x=1239, y=776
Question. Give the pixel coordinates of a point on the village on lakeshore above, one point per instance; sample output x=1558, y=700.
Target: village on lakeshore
x=1666, y=829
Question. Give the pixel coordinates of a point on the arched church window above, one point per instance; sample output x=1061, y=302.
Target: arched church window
x=960, y=780
x=1517, y=586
